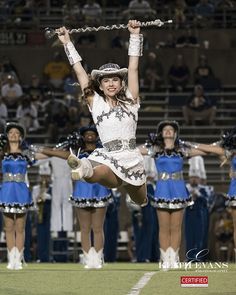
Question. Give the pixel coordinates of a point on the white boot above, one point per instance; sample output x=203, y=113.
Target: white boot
x=84, y=170
x=174, y=258
x=11, y=258
x=89, y=258
x=98, y=259
x=18, y=258
x=165, y=259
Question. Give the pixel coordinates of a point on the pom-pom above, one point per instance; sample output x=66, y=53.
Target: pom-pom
x=152, y=139
x=73, y=141
x=228, y=139
x=3, y=141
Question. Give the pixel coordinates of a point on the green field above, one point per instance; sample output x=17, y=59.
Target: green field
x=112, y=279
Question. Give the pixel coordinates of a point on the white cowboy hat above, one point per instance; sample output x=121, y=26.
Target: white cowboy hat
x=108, y=69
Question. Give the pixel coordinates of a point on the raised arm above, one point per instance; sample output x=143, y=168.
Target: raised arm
x=73, y=57
x=134, y=52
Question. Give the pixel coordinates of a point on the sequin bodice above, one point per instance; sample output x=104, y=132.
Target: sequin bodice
x=118, y=122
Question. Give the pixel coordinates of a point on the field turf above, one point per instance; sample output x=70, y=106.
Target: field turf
x=112, y=279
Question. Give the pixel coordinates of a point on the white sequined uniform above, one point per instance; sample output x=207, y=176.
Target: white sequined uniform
x=118, y=123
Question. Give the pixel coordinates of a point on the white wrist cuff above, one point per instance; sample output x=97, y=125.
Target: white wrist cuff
x=135, y=45
x=72, y=53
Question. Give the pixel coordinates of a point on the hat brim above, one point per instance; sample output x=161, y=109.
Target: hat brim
x=19, y=127
x=162, y=124
x=98, y=74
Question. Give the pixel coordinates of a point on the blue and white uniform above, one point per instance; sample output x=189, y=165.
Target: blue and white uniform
x=171, y=191
x=15, y=196
x=232, y=187
x=90, y=194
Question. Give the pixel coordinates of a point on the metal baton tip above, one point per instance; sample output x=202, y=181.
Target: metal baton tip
x=49, y=33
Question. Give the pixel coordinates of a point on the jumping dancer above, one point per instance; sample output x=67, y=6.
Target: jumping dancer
x=114, y=108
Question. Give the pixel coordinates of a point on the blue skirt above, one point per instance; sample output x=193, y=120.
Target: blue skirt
x=90, y=195
x=232, y=193
x=171, y=194
x=15, y=197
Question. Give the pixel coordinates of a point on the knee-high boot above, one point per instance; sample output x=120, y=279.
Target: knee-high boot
x=165, y=259
x=18, y=258
x=98, y=259
x=11, y=258
x=89, y=258
x=174, y=258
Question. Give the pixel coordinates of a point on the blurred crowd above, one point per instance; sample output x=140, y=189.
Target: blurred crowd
x=50, y=103
x=200, y=12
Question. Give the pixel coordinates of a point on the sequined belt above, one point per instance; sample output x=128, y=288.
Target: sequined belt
x=173, y=176
x=18, y=177
x=120, y=144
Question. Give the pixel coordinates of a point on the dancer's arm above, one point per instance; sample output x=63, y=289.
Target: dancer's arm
x=42, y=152
x=195, y=152
x=134, y=52
x=74, y=58
x=40, y=156
x=55, y=153
x=209, y=148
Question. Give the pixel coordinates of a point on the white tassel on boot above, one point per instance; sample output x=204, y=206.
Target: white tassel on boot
x=89, y=258
x=18, y=258
x=11, y=258
x=98, y=259
x=174, y=258
x=165, y=259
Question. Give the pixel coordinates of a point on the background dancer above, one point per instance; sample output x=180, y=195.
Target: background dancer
x=90, y=200
x=171, y=195
x=225, y=148
x=15, y=197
